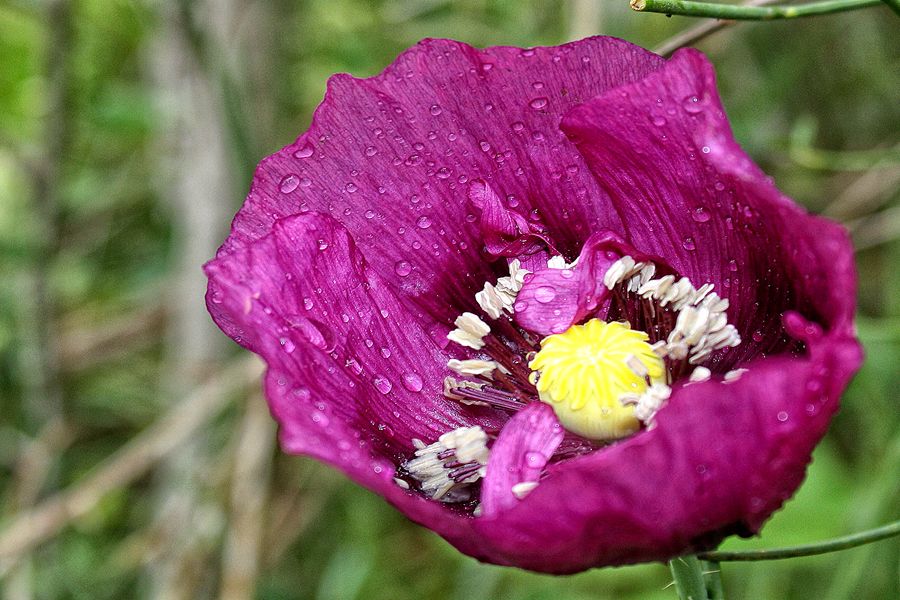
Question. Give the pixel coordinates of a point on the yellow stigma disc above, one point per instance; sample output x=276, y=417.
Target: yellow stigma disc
x=583, y=372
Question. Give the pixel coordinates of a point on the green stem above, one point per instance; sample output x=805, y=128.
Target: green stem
x=688, y=574
x=841, y=543
x=713, y=573
x=751, y=13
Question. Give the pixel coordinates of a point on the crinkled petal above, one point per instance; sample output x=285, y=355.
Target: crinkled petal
x=721, y=459
x=390, y=158
x=505, y=232
x=663, y=150
x=552, y=300
x=519, y=455
x=345, y=357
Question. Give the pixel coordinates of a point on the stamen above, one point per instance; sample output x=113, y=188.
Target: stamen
x=446, y=467
x=471, y=393
x=473, y=367
x=522, y=489
x=647, y=404
x=494, y=299
x=470, y=331
x=732, y=376
x=701, y=326
x=700, y=374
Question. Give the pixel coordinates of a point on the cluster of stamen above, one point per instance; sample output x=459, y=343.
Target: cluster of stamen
x=658, y=330
x=695, y=318
x=447, y=467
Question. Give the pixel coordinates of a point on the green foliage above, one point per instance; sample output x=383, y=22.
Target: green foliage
x=832, y=82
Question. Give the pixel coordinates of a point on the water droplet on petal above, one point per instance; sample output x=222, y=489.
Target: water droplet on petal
x=782, y=416
x=351, y=187
x=538, y=103
x=412, y=382
x=535, y=459
x=700, y=215
x=289, y=183
x=692, y=105
x=402, y=268
x=435, y=110
x=688, y=244
x=423, y=222
x=305, y=152
x=382, y=384
x=371, y=151
x=544, y=294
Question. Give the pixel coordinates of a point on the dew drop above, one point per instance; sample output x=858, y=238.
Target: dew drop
x=369, y=214
x=351, y=187
x=423, y=222
x=544, y=294
x=732, y=265
x=688, y=244
x=782, y=416
x=538, y=103
x=518, y=126
x=443, y=173
x=371, y=151
x=700, y=215
x=534, y=459
x=435, y=110
x=402, y=268
x=692, y=105
x=757, y=336
x=289, y=183
x=412, y=382
x=323, y=245
x=659, y=120
x=287, y=344
x=385, y=352
x=305, y=152
x=382, y=384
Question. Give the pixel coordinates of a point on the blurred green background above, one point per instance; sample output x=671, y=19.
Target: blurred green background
x=128, y=134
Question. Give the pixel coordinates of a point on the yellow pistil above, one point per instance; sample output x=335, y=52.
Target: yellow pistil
x=584, y=371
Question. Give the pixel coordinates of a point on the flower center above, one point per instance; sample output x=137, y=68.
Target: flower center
x=585, y=371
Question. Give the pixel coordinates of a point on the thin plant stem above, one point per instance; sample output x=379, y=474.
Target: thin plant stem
x=712, y=10
x=689, y=581
x=842, y=543
x=691, y=36
x=712, y=572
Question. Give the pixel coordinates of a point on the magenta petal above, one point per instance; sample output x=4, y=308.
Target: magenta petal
x=552, y=300
x=506, y=233
x=390, y=158
x=663, y=150
x=519, y=455
x=339, y=362
x=722, y=458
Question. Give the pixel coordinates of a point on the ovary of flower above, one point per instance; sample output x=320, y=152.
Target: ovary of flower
x=583, y=372
x=470, y=331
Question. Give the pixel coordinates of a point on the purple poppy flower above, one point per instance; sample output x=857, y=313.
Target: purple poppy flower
x=542, y=302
